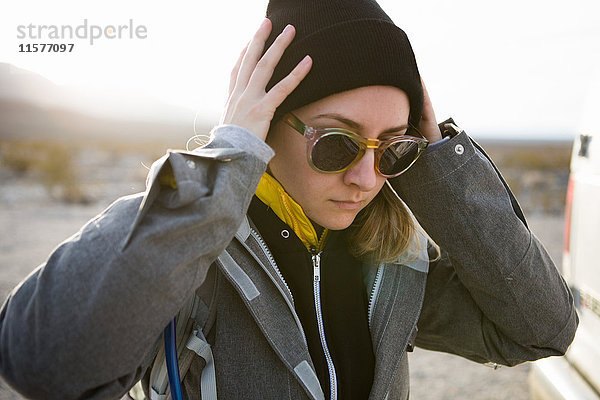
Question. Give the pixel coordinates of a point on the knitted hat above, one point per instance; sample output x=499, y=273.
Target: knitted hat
x=353, y=43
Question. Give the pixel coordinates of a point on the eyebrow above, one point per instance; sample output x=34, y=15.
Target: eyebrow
x=356, y=125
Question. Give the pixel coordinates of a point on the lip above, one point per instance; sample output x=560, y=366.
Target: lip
x=348, y=205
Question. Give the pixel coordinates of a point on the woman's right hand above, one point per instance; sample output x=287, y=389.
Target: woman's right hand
x=248, y=104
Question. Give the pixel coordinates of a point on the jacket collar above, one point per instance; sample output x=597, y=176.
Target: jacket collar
x=270, y=192
x=396, y=310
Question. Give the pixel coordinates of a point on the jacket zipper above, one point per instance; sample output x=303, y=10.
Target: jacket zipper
x=316, y=260
x=266, y=250
x=374, y=293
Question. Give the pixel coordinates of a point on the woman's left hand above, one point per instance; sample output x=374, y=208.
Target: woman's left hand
x=428, y=125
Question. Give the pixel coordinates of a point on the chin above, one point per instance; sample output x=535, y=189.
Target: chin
x=336, y=224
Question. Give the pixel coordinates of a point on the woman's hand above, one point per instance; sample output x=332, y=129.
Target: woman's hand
x=428, y=125
x=248, y=105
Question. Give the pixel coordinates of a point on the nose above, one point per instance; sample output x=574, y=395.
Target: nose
x=363, y=173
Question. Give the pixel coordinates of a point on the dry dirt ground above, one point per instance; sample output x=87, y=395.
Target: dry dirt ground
x=31, y=225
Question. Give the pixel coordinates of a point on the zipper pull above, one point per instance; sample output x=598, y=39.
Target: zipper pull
x=316, y=260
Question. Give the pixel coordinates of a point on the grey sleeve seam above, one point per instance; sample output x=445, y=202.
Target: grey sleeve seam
x=443, y=176
x=516, y=298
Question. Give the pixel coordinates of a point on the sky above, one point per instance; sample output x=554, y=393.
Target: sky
x=516, y=68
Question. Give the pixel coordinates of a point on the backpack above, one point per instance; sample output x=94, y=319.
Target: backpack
x=193, y=322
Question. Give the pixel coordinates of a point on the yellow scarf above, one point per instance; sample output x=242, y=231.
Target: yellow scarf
x=270, y=192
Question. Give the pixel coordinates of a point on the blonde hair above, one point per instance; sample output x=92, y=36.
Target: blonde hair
x=385, y=230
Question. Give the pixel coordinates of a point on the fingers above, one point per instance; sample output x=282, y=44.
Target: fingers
x=252, y=54
x=265, y=67
x=428, y=125
x=281, y=90
x=425, y=94
x=248, y=105
x=428, y=113
x=236, y=70
x=426, y=99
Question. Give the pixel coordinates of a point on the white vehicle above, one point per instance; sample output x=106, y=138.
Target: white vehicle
x=577, y=375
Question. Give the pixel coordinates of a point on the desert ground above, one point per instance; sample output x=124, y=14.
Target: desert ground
x=41, y=205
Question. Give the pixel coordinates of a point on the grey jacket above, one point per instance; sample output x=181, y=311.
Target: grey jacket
x=86, y=323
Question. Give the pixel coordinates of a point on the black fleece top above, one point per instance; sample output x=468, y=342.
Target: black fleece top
x=344, y=302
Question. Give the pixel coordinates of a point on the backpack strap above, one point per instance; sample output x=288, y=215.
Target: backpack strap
x=208, y=381
x=196, y=315
x=194, y=320
x=159, y=379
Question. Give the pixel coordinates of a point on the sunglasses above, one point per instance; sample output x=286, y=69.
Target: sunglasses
x=334, y=150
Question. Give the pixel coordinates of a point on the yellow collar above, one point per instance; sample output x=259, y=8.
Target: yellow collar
x=270, y=192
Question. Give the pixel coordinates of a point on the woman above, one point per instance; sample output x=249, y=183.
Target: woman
x=323, y=282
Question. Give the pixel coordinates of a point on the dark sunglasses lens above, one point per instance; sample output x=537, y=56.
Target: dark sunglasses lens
x=398, y=157
x=334, y=152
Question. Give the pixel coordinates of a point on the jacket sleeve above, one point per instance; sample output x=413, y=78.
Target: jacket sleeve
x=494, y=295
x=83, y=324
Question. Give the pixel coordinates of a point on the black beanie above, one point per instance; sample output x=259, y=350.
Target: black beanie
x=353, y=43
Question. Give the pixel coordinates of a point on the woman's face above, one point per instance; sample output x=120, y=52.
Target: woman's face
x=333, y=200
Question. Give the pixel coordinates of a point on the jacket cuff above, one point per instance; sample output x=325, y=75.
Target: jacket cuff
x=240, y=138
x=436, y=145
x=433, y=166
x=455, y=192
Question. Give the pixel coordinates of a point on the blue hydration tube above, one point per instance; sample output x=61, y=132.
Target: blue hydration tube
x=172, y=363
